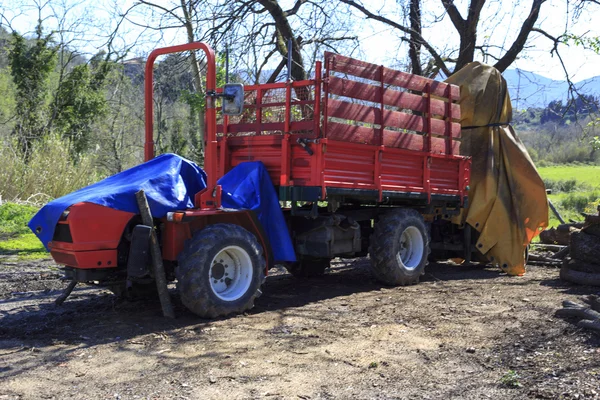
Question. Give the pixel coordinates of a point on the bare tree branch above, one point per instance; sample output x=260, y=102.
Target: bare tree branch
x=521, y=39
x=438, y=59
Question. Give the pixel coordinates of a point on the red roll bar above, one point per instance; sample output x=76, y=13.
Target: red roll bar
x=210, y=198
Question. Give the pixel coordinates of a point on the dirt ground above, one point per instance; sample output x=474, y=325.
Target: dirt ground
x=462, y=333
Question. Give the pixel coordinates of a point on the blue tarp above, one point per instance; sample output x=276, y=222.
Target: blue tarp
x=170, y=183
x=248, y=186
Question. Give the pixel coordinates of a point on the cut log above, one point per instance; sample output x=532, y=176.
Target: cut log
x=157, y=262
x=579, y=312
x=553, y=236
x=585, y=247
x=578, y=277
x=542, y=259
x=593, y=325
x=581, y=266
x=559, y=255
x=593, y=301
x=592, y=230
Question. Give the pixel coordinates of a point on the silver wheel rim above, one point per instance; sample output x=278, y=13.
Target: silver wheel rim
x=230, y=273
x=411, y=248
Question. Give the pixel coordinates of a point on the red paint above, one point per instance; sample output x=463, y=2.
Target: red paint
x=96, y=232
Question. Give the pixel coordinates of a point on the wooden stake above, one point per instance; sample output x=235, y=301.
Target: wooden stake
x=157, y=264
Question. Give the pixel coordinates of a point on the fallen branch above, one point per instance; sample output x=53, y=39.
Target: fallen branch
x=588, y=318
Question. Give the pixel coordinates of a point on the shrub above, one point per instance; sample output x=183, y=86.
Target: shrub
x=565, y=185
x=48, y=173
x=14, y=217
x=581, y=202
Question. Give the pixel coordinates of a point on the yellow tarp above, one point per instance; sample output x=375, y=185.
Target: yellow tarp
x=507, y=198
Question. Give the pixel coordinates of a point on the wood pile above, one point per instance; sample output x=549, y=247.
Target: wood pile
x=583, y=264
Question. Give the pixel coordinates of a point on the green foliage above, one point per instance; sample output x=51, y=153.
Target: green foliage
x=575, y=189
x=579, y=107
x=47, y=173
x=595, y=142
x=511, y=379
x=79, y=102
x=15, y=237
x=584, y=174
x=30, y=67
x=25, y=247
x=581, y=202
x=565, y=185
x=14, y=218
x=591, y=43
x=7, y=99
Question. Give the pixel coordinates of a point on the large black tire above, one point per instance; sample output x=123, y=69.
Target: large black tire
x=198, y=268
x=398, y=259
x=308, y=267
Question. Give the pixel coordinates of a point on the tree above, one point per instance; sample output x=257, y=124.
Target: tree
x=449, y=57
x=30, y=67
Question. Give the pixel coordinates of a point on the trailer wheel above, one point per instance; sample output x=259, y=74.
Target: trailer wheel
x=308, y=267
x=399, y=248
x=220, y=271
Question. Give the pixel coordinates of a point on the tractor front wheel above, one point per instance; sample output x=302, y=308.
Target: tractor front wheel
x=220, y=271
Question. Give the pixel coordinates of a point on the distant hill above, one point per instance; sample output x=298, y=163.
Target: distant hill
x=528, y=89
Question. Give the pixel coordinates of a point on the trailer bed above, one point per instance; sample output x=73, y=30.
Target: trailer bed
x=359, y=131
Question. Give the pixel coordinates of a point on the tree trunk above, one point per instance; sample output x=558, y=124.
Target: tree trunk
x=189, y=27
x=414, y=48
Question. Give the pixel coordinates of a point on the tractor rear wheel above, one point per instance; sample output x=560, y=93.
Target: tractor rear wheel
x=220, y=271
x=308, y=267
x=399, y=247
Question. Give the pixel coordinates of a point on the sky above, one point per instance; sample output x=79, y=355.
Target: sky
x=380, y=44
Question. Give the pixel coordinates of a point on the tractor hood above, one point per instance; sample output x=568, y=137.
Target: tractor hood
x=507, y=197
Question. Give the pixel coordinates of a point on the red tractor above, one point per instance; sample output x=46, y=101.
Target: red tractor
x=363, y=159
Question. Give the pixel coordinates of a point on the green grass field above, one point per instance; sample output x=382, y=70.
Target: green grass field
x=589, y=174
x=16, y=240
x=582, y=194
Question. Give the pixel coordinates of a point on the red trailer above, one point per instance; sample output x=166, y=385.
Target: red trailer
x=363, y=158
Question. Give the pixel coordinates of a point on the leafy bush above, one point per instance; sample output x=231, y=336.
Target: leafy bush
x=14, y=217
x=582, y=202
x=48, y=173
x=565, y=185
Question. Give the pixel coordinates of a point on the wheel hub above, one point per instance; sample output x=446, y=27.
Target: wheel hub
x=410, y=252
x=218, y=270
x=231, y=273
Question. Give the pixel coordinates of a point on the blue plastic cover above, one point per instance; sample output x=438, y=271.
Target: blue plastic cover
x=248, y=186
x=170, y=183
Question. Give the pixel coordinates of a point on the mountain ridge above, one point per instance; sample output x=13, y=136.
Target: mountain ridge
x=530, y=90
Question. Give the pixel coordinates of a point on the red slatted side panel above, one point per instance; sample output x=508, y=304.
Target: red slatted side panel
x=302, y=165
x=444, y=175
x=402, y=100
x=348, y=165
x=377, y=97
x=370, y=71
x=401, y=172
x=265, y=148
